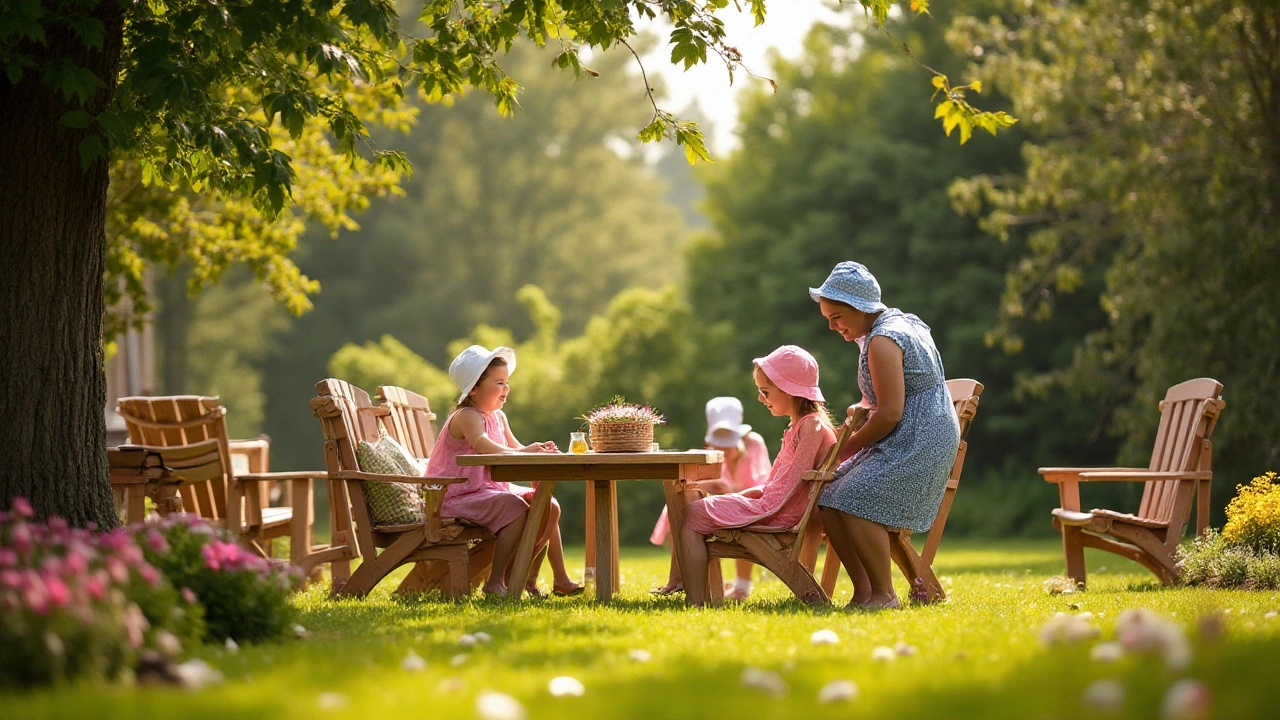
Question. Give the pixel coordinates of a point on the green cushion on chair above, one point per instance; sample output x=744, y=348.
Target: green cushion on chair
x=390, y=503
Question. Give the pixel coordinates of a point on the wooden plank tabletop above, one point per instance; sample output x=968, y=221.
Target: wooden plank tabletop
x=683, y=457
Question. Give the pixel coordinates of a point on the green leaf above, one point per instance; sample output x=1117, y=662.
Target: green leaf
x=690, y=138
x=939, y=81
x=77, y=119
x=654, y=131
x=91, y=149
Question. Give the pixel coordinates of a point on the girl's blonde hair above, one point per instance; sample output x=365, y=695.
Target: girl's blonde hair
x=495, y=363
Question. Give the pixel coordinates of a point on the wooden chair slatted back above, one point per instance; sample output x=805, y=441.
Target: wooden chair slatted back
x=347, y=416
x=821, y=476
x=177, y=420
x=964, y=398
x=1188, y=415
x=410, y=419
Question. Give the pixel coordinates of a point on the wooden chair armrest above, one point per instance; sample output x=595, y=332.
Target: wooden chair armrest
x=1062, y=474
x=1144, y=475
x=283, y=476
x=410, y=479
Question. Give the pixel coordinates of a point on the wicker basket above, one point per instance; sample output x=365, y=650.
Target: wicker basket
x=621, y=436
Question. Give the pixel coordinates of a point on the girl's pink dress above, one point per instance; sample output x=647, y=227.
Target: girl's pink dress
x=480, y=500
x=752, y=470
x=783, y=501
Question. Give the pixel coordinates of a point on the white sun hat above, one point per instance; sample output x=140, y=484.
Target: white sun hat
x=724, y=422
x=466, y=369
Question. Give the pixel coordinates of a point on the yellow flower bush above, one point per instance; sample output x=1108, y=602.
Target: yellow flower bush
x=1253, y=516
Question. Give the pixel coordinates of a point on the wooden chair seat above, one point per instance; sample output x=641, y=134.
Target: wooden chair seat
x=1180, y=473
x=918, y=566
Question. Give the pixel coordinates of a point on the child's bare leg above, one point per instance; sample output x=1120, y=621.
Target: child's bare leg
x=503, y=553
x=693, y=545
x=561, y=581
x=838, y=537
x=674, y=581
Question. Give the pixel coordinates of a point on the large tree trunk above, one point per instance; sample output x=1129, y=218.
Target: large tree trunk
x=52, y=211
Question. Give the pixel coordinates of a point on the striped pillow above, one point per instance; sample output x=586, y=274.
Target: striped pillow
x=390, y=503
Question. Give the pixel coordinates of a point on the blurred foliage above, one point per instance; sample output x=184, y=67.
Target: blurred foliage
x=1154, y=160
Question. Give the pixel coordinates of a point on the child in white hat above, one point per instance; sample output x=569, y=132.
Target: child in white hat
x=478, y=426
x=746, y=465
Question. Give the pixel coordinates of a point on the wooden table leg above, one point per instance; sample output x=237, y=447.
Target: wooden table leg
x=606, y=541
x=613, y=525
x=589, y=561
x=529, y=539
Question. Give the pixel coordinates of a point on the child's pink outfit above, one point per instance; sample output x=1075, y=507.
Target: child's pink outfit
x=752, y=470
x=480, y=500
x=783, y=499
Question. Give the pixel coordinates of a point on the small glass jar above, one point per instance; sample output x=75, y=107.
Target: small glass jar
x=577, y=443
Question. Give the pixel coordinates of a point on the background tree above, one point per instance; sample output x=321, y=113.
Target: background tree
x=1155, y=160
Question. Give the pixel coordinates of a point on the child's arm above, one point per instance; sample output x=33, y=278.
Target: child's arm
x=471, y=424
x=512, y=442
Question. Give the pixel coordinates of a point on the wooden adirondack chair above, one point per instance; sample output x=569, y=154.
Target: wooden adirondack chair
x=918, y=567
x=190, y=433
x=1179, y=473
x=407, y=417
x=783, y=550
x=347, y=416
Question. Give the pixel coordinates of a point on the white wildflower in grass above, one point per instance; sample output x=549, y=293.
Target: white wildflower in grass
x=231, y=645
x=904, y=649
x=299, y=631
x=492, y=705
x=565, y=686
x=639, y=656
x=467, y=641
x=766, y=680
x=331, y=701
x=838, y=691
x=883, y=653
x=824, y=637
x=1107, y=652
x=195, y=674
x=458, y=660
x=1086, y=615
x=1271, y=615
x=1066, y=629
x=413, y=663
x=1186, y=699
x=1060, y=585
x=1143, y=631
x=1105, y=696
x=481, y=637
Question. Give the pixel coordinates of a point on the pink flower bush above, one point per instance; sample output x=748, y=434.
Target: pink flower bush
x=74, y=603
x=244, y=596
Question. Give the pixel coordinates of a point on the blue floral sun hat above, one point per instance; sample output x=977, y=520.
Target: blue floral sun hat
x=853, y=284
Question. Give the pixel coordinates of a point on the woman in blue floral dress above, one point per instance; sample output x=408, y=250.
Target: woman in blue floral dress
x=897, y=463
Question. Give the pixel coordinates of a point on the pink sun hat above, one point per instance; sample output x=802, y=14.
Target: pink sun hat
x=793, y=370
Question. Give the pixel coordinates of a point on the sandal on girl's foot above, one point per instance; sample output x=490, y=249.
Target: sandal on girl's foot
x=666, y=590
x=736, y=594
x=569, y=592
x=535, y=592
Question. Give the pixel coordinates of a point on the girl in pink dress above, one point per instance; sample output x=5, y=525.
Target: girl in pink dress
x=787, y=379
x=746, y=465
x=478, y=426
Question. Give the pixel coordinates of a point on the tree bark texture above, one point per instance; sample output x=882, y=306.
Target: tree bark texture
x=52, y=215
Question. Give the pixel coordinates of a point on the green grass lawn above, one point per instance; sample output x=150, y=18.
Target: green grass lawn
x=978, y=655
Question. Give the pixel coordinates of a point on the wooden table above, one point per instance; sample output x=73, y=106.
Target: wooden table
x=601, y=470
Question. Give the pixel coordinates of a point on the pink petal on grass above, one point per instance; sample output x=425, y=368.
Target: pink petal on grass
x=1186, y=699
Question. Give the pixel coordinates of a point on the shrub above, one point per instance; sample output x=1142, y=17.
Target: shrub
x=1253, y=516
x=1212, y=561
x=244, y=596
x=75, y=604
